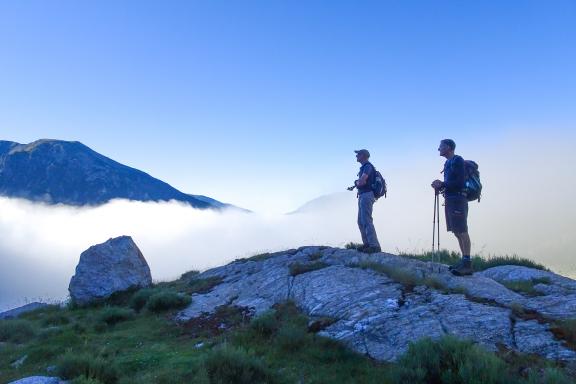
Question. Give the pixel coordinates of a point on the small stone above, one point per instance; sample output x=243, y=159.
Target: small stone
x=18, y=363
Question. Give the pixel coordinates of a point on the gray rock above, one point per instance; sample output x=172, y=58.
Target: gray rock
x=104, y=269
x=39, y=380
x=17, y=312
x=374, y=314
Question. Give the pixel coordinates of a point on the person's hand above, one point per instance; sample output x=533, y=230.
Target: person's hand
x=437, y=184
x=351, y=188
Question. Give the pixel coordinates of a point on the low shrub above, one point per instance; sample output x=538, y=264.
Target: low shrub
x=238, y=366
x=114, y=315
x=549, y=376
x=291, y=337
x=140, y=298
x=55, y=318
x=74, y=366
x=166, y=300
x=16, y=331
x=189, y=275
x=266, y=324
x=449, y=361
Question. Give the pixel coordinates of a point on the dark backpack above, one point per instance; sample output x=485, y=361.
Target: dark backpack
x=379, y=185
x=473, y=186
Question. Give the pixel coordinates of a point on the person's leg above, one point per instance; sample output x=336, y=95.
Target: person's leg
x=465, y=244
x=367, y=202
x=458, y=213
x=361, y=223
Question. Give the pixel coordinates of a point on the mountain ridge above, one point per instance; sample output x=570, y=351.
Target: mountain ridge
x=71, y=173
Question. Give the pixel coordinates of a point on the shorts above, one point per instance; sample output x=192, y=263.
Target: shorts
x=456, y=209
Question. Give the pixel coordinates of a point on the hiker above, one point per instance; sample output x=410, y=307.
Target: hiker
x=455, y=203
x=366, y=199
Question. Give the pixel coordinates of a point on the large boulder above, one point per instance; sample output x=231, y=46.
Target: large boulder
x=114, y=266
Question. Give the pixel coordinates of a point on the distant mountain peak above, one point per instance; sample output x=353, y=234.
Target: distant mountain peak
x=69, y=172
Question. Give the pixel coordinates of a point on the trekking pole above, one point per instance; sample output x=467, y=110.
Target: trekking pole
x=434, y=223
x=438, y=223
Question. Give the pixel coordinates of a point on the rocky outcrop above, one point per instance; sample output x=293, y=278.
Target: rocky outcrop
x=17, y=312
x=39, y=380
x=114, y=266
x=380, y=303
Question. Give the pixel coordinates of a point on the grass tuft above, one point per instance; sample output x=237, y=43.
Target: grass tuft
x=238, y=366
x=405, y=277
x=16, y=331
x=73, y=366
x=353, y=245
x=526, y=287
x=449, y=361
x=163, y=301
x=114, y=315
x=478, y=263
x=203, y=285
x=300, y=268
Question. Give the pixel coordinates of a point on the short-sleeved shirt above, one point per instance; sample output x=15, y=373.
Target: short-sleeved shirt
x=368, y=169
x=454, y=177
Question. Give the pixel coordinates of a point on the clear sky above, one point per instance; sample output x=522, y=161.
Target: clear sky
x=261, y=103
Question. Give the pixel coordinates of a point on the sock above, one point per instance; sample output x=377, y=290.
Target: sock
x=466, y=257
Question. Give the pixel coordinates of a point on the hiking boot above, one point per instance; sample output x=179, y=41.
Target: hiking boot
x=463, y=268
x=372, y=250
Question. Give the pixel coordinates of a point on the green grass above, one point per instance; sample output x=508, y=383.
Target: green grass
x=478, y=263
x=405, y=277
x=296, y=269
x=453, y=361
x=526, y=287
x=275, y=347
x=86, y=366
x=163, y=301
x=16, y=331
x=114, y=315
x=258, y=257
x=203, y=285
x=353, y=245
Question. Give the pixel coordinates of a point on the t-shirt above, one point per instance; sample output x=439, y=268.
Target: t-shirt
x=368, y=169
x=454, y=176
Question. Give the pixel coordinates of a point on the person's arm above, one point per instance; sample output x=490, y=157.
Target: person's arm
x=364, y=177
x=457, y=177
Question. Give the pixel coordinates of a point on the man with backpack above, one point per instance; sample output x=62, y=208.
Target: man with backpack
x=456, y=202
x=366, y=198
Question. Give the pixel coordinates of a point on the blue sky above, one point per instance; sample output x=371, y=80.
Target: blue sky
x=260, y=103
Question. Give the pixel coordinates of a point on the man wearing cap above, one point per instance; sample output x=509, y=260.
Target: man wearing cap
x=366, y=201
